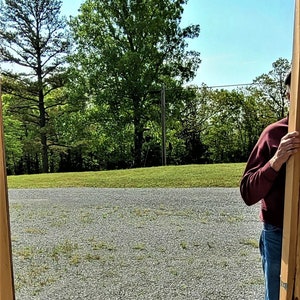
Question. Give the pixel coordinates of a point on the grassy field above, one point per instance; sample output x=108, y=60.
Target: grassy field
x=212, y=175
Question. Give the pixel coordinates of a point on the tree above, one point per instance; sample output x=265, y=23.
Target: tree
x=13, y=138
x=196, y=109
x=222, y=132
x=126, y=50
x=270, y=89
x=33, y=36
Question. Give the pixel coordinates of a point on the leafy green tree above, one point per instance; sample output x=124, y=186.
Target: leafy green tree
x=241, y=115
x=223, y=130
x=125, y=51
x=196, y=108
x=34, y=38
x=270, y=89
x=13, y=133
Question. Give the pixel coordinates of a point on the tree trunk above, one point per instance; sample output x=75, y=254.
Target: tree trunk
x=138, y=133
x=138, y=144
x=43, y=134
x=45, y=164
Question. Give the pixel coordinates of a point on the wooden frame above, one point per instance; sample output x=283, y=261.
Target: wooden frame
x=290, y=267
x=6, y=269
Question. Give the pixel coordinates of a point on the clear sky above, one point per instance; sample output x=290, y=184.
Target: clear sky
x=239, y=39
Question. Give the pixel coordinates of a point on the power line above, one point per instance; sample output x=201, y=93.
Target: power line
x=209, y=87
x=230, y=85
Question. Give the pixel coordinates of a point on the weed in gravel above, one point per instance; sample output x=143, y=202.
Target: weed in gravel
x=180, y=229
x=162, y=249
x=16, y=207
x=234, y=219
x=116, y=208
x=254, y=281
x=110, y=273
x=101, y=245
x=65, y=248
x=60, y=220
x=141, y=212
x=24, y=253
x=58, y=223
x=204, y=217
x=250, y=242
x=36, y=276
x=34, y=231
x=224, y=264
x=204, y=220
x=14, y=238
x=184, y=245
x=139, y=246
x=244, y=253
x=196, y=244
x=173, y=271
x=92, y=257
x=162, y=211
x=140, y=225
x=86, y=217
x=75, y=259
x=231, y=218
x=141, y=257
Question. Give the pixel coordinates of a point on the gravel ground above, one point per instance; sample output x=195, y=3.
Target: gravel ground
x=89, y=243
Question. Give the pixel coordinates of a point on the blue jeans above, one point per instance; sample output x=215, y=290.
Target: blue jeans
x=270, y=250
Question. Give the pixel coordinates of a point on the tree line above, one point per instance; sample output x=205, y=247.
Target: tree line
x=85, y=93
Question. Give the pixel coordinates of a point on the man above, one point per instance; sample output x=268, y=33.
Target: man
x=264, y=180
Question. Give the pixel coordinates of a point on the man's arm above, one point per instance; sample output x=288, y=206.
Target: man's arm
x=261, y=171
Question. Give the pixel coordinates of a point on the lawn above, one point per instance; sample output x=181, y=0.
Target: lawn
x=208, y=175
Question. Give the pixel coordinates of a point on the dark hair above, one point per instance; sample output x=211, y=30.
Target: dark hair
x=287, y=80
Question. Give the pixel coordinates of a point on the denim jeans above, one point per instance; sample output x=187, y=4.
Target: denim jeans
x=270, y=250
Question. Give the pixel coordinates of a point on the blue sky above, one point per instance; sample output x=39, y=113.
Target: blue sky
x=239, y=39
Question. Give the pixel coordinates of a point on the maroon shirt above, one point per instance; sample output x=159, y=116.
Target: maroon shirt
x=262, y=183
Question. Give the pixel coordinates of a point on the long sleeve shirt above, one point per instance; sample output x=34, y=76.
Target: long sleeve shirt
x=260, y=181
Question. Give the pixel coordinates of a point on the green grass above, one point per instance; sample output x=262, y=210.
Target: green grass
x=211, y=175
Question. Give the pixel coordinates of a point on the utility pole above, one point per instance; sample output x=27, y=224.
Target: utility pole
x=6, y=269
x=163, y=126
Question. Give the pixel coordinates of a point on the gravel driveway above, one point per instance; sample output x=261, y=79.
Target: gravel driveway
x=88, y=243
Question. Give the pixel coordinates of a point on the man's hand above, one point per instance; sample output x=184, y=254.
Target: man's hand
x=289, y=145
